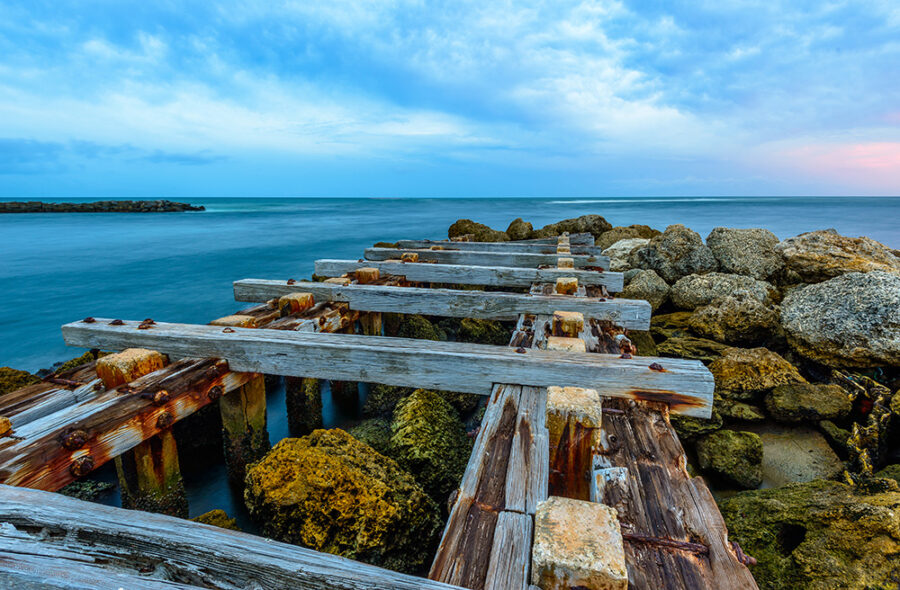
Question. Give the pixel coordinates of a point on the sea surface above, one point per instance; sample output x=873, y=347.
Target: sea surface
x=178, y=267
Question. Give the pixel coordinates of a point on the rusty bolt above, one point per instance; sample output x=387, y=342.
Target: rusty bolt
x=656, y=367
x=88, y=320
x=117, y=323
x=291, y=281
x=148, y=321
x=521, y=350
x=98, y=386
x=215, y=392
x=165, y=420
x=73, y=439
x=161, y=397
x=227, y=331
x=82, y=466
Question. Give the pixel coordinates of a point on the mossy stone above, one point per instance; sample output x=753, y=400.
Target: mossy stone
x=837, y=437
x=13, y=379
x=746, y=374
x=689, y=428
x=418, y=327
x=479, y=231
x=87, y=489
x=732, y=455
x=734, y=411
x=219, y=518
x=688, y=347
x=375, y=432
x=890, y=472
x=644, y=342
x=799, y=402
x=483, y=332
x=75, y=362
x=382, y=399
x=519, y=229
x=671, y=325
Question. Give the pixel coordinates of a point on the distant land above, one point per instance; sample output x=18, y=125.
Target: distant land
x=98, y=207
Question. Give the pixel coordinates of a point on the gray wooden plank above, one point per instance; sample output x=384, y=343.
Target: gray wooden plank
x=627, y=313
x=581, y=238
x=687, y=386
x=497, y=276
x=534, y=248
x=487, y=258
x=510, y=553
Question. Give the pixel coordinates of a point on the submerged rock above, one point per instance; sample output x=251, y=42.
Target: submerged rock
x=219, y=518
x=849, y=321
x=732, y=455
x=648, y=286
x=619, y=253
x=330, y=492
x=480, y=232
x=519, y=230
x=13, y=379
x=591, y=224
x=688, y=347
x=675, y=253
x=798, y=402
x=818, y=535
x=695, y=291
x=749, y=252
x=746, y=374
x=739, y=319
x=825, y=254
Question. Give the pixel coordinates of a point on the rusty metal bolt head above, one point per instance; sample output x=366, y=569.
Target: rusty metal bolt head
x=98, y=386
x=521, y=350
x=73, y=439
x=148, y=321
x=117, y=323
x=160, y=397
x=88, y=320
x=291, y=281
x=165, y=420
x=215, y=392
x=81, y=466
x=227, y=331
x=657, y=367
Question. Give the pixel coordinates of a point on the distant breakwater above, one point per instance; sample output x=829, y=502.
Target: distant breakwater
x=159, y=206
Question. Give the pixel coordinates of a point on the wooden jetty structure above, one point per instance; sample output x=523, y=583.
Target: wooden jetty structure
x=576, y=478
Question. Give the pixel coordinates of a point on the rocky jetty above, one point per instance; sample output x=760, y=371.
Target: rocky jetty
x=159, y=206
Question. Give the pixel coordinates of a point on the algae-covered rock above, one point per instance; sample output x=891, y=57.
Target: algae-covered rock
x=519, y=230
x=13, y=379
x=75, y=362
x=798, y=402
x=739, y=319
x=695, y=291
x=330, y=492
x=375, y=432
x=429, y=440
x=749, y=252
x=219, y=518
x=675, y=253
x=746, y=374
x=482, y=332
x=890, y=472
x=735, y=411
x=87, y=489
x=849, y=321
x=837, y=437
x=644, y=342
x=732, y=455
x=418, y=326
x=479, y=231
x=618, y=233
x=619, y=253
x=818, y=535
x=688, y=347
x=689, y=428
x=647, y=285
x=591, y=224
x=825, y=254
x=671, y=325
x=382, y=399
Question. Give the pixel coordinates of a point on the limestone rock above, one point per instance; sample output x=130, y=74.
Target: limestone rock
x=798, y=402
x=818, y=535
x=837, y=437
x=695, y=291
x=675, y=253
x=795, y=454
x=13, y=379
x=620, y=253
x=519, y=230
x=747, y=374
x=825, y=254
x=480, y=232
x=648, y=286
x=592, y=224
x=749, y=252
x=330, y=492
x=643, y=341
x=619, y=233
x=735, y=411
x=849, y=321
x=740, y=319
x=688, y=347
x=734, y=456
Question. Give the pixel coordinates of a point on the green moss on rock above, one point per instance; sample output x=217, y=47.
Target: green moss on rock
x=417, y=326
x=688, y=347
x=87, y=489
x=483, y=332
x=74, y=363
x=219, y=518
x=519, y=230
x=382, y=399
x=13, y=379
x=330, y=492
x=479, y=231
x=746, y=374
x=799, y=402
x=734, y=411
x=375, y=432
x=732, y=455
x=890, y=472
x=689, y=428
x=644, y=342
x=670, y=325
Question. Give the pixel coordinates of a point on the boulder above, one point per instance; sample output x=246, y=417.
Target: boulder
x=13, y=379
x=821, y=255
x=332, y=493
x=688, y=347
x=620, y=253
x=817, y=535
x=675, y=253
x=838, y=438
x=219, y=518
x=671, y=325
x=643, y=341
x=382, y=399
x=849, y=321
x=591, y=224
x=479, y=231
x=429, y=441
x=744, y=374
x=735, y=411
x=689, y=428
x=418, y=326
x=375, y=432
x=799, y=402
x=519, y=230
x=732, y=455
x=695, y=291
x=740, y=319
x=647, y=285
x=795, y=454
x=749, y=252
x=616, y=234
x=476, y=331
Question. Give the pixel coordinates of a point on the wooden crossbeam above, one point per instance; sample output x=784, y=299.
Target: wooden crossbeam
x=628, y=313
x=687, y=386
x=585, y=239
x=484, y=258
x=496, y=276
x=548, y=248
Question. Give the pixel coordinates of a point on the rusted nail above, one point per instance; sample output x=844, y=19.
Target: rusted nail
x=82, y=466
x=215, y=392
x=88, y=320
x=73, y=439
x=657, y=367
x=227, y=331
x=117, y=323
x=291, y=281
x=98, y=386
x=161, y=397
x=521, y=350
x=165, y=420
x=742, y=557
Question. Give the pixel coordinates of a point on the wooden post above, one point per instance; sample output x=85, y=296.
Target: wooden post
x=295, y=303
x=370, y=322
x=574, y=416
x=244, y=432
x=304, y=405
x=567, y=285
x=150, y=478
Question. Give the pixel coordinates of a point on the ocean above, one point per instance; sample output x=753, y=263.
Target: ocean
x=178, y=267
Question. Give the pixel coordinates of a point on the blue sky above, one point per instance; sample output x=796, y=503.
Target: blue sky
x=410, y=98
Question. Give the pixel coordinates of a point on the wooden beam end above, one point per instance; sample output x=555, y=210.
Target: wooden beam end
x=126, y=366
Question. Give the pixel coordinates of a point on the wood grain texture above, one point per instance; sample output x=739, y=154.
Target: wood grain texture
x=93, y=543
x=627, y=313
x=510, y=552
x=530, y=247
x=497, y=276
x=450, y=366
x=487, y=258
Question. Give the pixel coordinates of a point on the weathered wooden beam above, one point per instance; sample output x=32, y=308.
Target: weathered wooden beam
x=245, y=436
x=631, y=314
x=580, y=238
x=687, y=386
x=530, y=247
x=304, y=405
x=150, y=477
x=474, y=257
x=109, y=545
x=496, y=276
x=574, y=419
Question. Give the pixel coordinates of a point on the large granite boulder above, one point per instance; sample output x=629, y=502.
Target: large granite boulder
x=519, y=230
x=590, y=224
x=747, y=374
x=675, y=253
x=799, y=402
x=620, y=253
x=738, y=319
x=619, y=233
x=647, y=285
x=849, y=321
x=749, y=252
x=733, y=456
x=332, y=493
x=695, y=291
x=824, y=254
x=817, y=535
x=479, y=231
x=429, y=441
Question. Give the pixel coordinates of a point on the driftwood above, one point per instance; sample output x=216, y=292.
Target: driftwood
x=484, y=258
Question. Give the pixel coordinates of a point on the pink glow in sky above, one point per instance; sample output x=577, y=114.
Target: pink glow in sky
x=875, y=165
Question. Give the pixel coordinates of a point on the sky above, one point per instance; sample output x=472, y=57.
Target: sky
x=248, y=98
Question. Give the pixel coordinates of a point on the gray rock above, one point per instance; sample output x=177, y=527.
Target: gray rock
x=741, y=319
x=794, y=454
x=619, y=233
x=648, y=286
x=519, y=230
x=849, y=321
x=821, y=255
x=695, y=291
x=749, y=252
x=620, y=252
x=675, y=253
x=630, y=274
x=798, y=402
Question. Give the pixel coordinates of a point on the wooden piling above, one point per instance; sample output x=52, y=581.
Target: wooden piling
x=573, y=420
x=244, y=432
x=150, y=477
x=304, y=405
